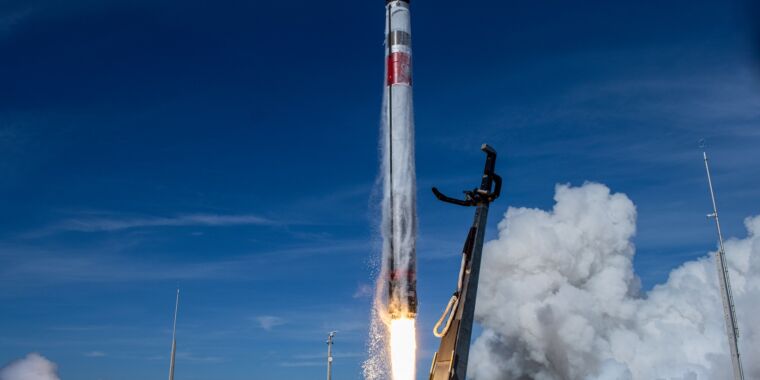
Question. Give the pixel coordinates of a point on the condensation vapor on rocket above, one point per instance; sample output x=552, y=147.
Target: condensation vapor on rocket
x=399, y=225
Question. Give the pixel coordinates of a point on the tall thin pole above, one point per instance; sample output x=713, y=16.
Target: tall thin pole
x=329, y=354
x=729, y=311
x=174, y=339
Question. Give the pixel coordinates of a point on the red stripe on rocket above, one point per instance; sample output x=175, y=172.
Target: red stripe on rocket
x=399, y=69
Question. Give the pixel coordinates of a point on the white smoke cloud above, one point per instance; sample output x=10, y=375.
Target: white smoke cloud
x=558, y=299
x=32, y=367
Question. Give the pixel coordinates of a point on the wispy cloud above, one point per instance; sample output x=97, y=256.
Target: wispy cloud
x=337, y=355
x=269, y=322
x=318, y=359
x=189, y=356
x=29, y=267
x=108, y=223
x=95, y=354
x=364, y=291
x=13, y=18
x=44, y=268
x=78, y=328
x=302, y=363
x=650, y=109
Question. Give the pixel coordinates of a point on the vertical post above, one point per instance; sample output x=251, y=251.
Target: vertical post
x=174, y=339
x=729, y=310
x=329, y=354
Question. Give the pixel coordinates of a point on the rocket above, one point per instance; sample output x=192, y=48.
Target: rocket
x=399, y=201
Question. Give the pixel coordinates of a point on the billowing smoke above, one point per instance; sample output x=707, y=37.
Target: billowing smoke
x=558, y=299
x=32, y=367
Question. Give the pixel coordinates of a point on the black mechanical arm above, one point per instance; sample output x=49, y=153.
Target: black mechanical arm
x=483, y=194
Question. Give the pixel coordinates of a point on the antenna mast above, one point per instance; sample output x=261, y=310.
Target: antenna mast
x=729, y=311
x=174, y=339
x=329, y=354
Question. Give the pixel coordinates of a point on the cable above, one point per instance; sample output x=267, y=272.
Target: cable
x=451, y=307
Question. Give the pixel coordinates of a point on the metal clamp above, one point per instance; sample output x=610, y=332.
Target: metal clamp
x=490, y=186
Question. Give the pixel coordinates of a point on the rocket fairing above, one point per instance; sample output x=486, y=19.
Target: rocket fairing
x=399, y=201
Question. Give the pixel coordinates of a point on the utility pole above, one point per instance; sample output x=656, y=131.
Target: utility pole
x=174, y=339
x=329, y=354
x=729, y=310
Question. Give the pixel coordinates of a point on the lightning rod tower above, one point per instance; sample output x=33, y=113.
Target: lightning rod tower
x=329, y=354
x=174, y=339
x=729, y=311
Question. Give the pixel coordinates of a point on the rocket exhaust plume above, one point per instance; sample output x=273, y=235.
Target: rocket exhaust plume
x=393, y=336
x=559, y=299
x=403, y=347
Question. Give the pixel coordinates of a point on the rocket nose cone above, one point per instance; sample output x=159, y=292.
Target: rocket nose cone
x=390, y=1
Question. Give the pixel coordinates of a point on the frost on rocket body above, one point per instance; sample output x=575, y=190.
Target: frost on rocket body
x=558, y=299
x=32, y=367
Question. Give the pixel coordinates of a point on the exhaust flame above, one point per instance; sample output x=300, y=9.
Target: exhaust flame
x=403, y=347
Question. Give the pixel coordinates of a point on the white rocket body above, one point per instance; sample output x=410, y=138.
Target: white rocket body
x=399, y=204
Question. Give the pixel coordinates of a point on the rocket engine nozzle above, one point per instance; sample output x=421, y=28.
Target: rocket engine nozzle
x=402, y=294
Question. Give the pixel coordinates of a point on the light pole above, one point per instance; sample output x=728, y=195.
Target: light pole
x=329, y=354
x=729, y=310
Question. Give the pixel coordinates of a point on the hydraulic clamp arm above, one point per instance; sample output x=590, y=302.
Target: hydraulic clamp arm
x=484, y=194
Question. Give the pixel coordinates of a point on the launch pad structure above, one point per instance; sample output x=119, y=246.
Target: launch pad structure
x=450, y=361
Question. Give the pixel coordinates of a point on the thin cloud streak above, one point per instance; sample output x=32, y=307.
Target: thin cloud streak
x=315, y=360
x=21, y=267
x=310, y=363
x=12, y=19
x=115, y=223
x=701, y=102
x=268, y=322
x=189, y=356
x=78, y=328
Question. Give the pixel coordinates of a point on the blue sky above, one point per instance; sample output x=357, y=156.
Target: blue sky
x=231, y=149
